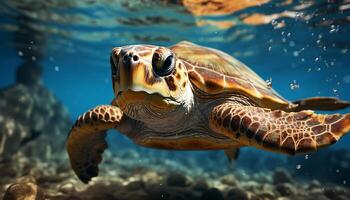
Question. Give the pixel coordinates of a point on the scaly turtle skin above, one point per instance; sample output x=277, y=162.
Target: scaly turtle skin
x=196, y=98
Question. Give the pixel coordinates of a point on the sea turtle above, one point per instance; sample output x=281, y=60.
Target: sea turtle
x=190, y=97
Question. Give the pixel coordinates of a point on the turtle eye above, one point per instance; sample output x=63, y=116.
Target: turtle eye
x=163, y=65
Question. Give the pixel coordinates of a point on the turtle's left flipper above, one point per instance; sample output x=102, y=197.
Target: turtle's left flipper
x=320, y=103
x=279, y=131
x=86, y=140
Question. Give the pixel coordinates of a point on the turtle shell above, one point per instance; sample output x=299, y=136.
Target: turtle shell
x=214, y=72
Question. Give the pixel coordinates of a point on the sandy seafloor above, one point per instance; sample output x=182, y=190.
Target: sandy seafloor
x=135, y=175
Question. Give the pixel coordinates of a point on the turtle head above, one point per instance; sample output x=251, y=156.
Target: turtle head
x=150, y=77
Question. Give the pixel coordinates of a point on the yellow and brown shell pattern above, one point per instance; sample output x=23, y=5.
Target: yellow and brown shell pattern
x=215, y=72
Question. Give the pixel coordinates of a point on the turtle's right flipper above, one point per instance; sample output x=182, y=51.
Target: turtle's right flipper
x=277, y=130
x=86, y=140
x=320, y=103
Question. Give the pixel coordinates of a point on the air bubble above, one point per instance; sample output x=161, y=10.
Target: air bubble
x=269, y=83
x=344, y=51
x=334, y=29
x=274, y=22
x=294, y=85
x=298, y=167
x=57, y=68
x=306, y=156
x=20, y=53
x=291, y=43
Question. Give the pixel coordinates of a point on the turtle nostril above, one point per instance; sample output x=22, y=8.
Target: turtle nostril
x=125, y=58
x=135, y=58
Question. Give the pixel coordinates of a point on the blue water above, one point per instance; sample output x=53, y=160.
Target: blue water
x=305, y=58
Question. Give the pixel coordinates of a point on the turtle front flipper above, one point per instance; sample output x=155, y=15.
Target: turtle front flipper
x=86, y=140
x=279, y=131
x=320, y=103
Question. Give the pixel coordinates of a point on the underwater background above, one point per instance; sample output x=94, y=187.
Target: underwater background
x=55, y=66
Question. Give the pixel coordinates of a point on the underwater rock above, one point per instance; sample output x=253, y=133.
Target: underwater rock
x=285, y=189
x=136, y=185
x=32, y=120
x=176, y=179
x=155, y=192
x=67, y=188
x=200, y=185
x=237, y=193
x=334, y=192
x=314, y=184
x=212, y=193
x=29, y=73
x=267, y=195
x=229, y=180
x=282, y=176
x=341, y=197
x=24, y=191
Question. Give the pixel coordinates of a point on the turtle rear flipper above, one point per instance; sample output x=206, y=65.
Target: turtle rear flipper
x=86, y=140
x=232, y=154
x=279, y=131
x=320, y=103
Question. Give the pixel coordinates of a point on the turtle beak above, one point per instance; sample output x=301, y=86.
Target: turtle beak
x=136, y=74
x=129, y=63
x=125, y=70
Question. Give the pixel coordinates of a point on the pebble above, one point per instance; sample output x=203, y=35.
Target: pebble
x=135, y=185
x=237, y=193
x=333, y=192
x=200, y=185
x=176, y=179
x=285, y=189
x=24, y=191
x=229, y=180
x=282, y=176
x=342, y=197
x=314, y=184
x=67, y=188
x=267, y=195
x=212, y=194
